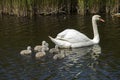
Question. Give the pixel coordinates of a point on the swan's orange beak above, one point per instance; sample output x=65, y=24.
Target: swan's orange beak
x=101, y=20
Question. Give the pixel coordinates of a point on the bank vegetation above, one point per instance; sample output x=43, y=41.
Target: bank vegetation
x=53, y=7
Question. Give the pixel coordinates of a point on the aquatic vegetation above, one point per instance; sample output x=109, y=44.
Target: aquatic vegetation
x=51, y=7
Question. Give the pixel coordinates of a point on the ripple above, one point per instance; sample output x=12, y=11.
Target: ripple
x=90, y=63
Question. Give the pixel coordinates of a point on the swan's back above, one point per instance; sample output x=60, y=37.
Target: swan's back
x=73, y=36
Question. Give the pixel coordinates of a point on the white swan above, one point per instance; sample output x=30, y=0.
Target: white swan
x=73, y=38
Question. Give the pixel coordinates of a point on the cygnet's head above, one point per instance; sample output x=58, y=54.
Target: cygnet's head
x=43, y=42
x=29, y=48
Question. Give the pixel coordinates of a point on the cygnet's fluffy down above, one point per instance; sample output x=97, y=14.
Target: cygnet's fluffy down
x=38, y=48
x=40, y=54
x=28, y=51
x=54, y=50
x=44, y=45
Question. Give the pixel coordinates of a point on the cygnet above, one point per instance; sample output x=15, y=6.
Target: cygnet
x=54, y=50
x=26, y=52
x=40, y=54
x=38, y=48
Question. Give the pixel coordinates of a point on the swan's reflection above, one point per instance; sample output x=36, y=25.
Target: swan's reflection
x=74, y=53
x=77, y=62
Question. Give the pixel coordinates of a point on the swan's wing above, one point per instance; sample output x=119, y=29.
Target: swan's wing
x=72, y=36
x=63, y=33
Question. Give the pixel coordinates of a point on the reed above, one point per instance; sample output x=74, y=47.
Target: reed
x=112, y=6
x=51, y=7
x=81, y=7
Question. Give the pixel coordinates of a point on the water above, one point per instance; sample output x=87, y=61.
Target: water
x=98, y=62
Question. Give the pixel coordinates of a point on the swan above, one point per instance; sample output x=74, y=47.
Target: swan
x=41, y=53
x=60, y=55
x=71, y=38
x=39, y=47
x=54, y=50
x=26, y=52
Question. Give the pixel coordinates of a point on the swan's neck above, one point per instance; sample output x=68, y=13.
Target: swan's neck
x=96, y=38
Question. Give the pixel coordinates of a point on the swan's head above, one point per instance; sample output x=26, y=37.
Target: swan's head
x=97, y=18
x=29, y=48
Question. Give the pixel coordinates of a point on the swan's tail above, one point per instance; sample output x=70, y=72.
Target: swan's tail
x=59, y=42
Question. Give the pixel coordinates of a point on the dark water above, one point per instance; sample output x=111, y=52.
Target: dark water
x=98, y=62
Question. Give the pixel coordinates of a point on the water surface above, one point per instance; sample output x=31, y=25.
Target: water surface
x=98, y=62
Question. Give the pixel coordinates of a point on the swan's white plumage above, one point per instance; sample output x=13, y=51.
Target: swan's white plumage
x=73, y=38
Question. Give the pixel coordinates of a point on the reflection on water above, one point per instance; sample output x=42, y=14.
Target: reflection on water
x=76, y=61
x=94, y=50
x=98, y=62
